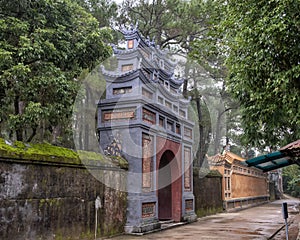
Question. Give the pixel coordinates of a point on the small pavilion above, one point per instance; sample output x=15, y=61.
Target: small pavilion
x=144, y=118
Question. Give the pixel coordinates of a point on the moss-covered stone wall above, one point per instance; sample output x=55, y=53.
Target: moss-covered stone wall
x=52, y=195
x=208, y=192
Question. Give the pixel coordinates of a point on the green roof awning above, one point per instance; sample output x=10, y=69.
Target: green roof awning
x=270, y=161
x=287, y=155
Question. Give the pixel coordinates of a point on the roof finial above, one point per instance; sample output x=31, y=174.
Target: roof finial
x=148, y=39
x=153, y=41
x=131, y=27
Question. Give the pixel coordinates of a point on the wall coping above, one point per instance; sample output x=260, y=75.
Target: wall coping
x=204, y=172
x=47, y=154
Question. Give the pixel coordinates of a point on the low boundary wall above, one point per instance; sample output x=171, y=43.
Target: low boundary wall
x=208, y=192
x=42, y=199
x=238, y=203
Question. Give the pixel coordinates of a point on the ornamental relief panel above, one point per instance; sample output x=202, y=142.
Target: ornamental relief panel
x=147, y=164
x=115, y=147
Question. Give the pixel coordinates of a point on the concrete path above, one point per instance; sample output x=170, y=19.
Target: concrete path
x=262, y=222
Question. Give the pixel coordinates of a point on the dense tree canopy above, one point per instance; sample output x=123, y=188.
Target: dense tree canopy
x=44, y=46
x=291, y=180
x=172, y=23
x=105, y=11
x=262, y=39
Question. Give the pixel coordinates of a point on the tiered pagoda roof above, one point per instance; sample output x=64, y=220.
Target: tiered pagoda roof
x=152, y=60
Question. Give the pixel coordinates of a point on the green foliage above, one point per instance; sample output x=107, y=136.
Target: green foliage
x=103, y=10
x=208, y=51
x=44, y=47
x=262, y=43
x=173, y=23
x=291, y=180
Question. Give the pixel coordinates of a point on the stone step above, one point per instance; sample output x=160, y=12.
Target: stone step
x=171, y=225
x=163, y=226
x=166, y=221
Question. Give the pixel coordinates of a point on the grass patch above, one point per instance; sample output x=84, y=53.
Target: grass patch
x=202, y=212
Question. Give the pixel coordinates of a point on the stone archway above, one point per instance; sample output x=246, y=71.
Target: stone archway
x=165, y=187
x=169, y=187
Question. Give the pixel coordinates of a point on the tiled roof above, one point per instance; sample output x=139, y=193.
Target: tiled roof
x=215, y=160
x=232, y=156
x=220, y=159
x=292, y=149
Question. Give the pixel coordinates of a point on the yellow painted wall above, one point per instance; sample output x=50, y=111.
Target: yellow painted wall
x=248, y=186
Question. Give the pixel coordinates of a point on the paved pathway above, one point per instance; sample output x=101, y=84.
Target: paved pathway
x=260, y=222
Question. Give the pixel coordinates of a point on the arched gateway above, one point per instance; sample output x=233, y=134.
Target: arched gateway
x=144, y=118
x=169, y=190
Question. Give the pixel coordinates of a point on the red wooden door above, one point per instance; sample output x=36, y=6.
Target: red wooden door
x=165, y=189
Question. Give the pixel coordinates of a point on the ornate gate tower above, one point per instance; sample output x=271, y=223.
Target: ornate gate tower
x=144, y=119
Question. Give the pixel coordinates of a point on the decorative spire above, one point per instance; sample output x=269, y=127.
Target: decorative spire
x=153, y=41
x=131, y=27
x=148, y=40
x=130, y=30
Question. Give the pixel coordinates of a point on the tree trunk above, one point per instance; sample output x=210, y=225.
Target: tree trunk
x=184, y=90
x=42, y=130
x=32, y=134
x=217, y=134
x=86, y=137
x=19, y=132
x=218, y=131
x=86, y=117
x=56, y=132
x=201, y=150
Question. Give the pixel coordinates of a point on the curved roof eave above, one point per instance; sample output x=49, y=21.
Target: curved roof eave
x=149, y=83
x=184, y=102
x=121, y=52
x=176, y=82
x=129, y=75
x=168, y=94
